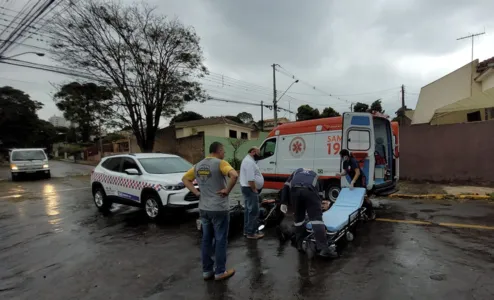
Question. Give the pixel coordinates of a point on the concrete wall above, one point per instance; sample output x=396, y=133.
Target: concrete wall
x=456, y=152
x=242, y=150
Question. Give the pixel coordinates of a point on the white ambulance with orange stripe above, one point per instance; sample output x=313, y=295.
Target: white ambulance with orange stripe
x=152, y=181
x=371, y=138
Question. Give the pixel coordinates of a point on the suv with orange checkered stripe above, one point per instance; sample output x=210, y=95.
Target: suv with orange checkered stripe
x=152, y=181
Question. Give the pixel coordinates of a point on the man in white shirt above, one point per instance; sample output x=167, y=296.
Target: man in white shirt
x=251, y=182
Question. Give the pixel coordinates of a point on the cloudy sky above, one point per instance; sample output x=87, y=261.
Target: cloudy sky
x=357, y=50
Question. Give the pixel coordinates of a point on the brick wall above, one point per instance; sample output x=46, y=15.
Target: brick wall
x=448, y=153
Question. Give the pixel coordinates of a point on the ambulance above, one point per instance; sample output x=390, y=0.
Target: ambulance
x=370, y=137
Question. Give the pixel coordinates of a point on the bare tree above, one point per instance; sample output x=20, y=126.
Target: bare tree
x=150, y=61
x=236, y=143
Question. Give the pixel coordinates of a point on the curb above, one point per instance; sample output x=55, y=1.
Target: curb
x=442, y=196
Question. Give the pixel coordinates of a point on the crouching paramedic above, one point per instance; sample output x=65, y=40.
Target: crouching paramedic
x=301, y=190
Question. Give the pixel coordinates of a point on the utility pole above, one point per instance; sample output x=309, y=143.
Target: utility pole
x=262, y=115
x=351, y=107
x=275, y=105
x=290, y=110
x=100, y=140
x=402, y=114
x=471, y=36
x=403, y=96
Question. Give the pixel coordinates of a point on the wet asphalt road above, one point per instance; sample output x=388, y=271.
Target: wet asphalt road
x=55, y=245
x=58, y=169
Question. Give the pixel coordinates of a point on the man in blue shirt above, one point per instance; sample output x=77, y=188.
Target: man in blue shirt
x=302, y=190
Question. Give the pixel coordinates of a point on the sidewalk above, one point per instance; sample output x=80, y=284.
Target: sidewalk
x=428, y=190
x=81, y=162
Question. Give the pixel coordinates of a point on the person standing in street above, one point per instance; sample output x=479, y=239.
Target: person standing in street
x=214, y=206
x=251, y=182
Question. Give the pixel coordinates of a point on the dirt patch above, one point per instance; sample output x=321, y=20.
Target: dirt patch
x=415, y=188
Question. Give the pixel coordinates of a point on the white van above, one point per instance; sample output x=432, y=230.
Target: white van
x=29, y=161
x=371, y=138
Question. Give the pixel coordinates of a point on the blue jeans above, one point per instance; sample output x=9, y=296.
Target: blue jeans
x=251, y=214
x=215, y=226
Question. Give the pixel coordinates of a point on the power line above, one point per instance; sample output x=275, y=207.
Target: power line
x=288, y=74
x=21, y=63
x=11, y=19
x=25, y=23
x=47, y=20
x=347, y=95
x=31, y=46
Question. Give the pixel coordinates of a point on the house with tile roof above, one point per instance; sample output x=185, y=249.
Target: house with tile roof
x=216, y=126
x=464, y=95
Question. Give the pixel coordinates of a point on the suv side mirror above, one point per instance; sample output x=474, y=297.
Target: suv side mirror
x=132, y=171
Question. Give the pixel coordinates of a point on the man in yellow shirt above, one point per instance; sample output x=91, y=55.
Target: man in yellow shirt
x=214, y=206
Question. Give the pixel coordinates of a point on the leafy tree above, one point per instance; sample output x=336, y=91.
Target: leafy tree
x=377, y=106
x=186, y=116
x=88, y=105
x=329, y=112
x=306, y=112
x=44, y=135
x=235, y=119
x=150, y=61
x=360, y=107
x=19, y=122
x=245, y=117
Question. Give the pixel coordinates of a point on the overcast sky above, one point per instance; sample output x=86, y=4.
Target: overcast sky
x=368, y=48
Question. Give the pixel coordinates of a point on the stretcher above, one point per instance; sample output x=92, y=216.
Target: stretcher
x=341, y=218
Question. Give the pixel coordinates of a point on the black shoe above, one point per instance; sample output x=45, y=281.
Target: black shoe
x=328, y=253
x=280, y=234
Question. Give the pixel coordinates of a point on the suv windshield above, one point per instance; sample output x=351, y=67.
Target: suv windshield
x=28, y=155
x=165, y=165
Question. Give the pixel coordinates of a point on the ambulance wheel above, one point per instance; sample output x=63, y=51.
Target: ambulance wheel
x=332, y=191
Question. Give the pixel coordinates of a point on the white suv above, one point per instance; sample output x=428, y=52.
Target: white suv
x=152, y=181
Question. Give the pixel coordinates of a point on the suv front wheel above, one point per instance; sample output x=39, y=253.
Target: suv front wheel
x=101, y=200
x=152, y=206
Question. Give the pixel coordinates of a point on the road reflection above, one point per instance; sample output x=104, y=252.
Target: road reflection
x=52, y=205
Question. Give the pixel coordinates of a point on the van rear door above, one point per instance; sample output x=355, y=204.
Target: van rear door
x=358, y=138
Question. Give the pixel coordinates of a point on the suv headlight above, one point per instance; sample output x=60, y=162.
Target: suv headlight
x=13, y=167
x=176, y=187
x=46, y=166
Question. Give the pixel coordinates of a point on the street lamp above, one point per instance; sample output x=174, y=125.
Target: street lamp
x=40, y=54
x=275, y=104
x=286, y=90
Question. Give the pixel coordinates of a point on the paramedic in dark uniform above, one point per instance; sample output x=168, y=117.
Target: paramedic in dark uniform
x=351, y=168
x=302, y=191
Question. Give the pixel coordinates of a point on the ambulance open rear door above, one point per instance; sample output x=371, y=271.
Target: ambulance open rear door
x=358, y=138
